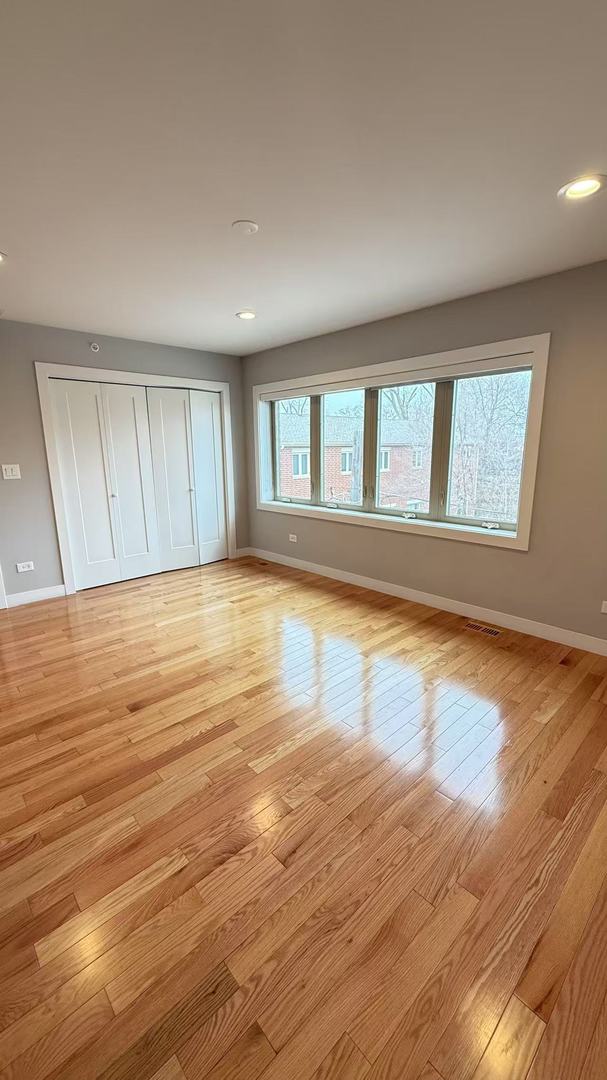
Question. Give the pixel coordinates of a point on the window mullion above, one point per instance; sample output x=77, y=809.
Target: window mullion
x=370, y=448
x=441, y=445
x=315, y=449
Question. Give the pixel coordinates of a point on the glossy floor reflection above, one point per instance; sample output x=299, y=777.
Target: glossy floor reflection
x=255, y=823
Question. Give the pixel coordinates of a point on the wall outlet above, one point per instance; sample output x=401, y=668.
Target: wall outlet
x=293, y=538
x=11, y=472
x=604, y=607
x=23, y=566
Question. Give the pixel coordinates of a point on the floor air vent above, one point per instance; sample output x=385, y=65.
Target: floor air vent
x=480, y=628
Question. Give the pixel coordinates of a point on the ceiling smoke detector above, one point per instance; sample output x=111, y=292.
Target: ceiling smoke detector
x=244, y=227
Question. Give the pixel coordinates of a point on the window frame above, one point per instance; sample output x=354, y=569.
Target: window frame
x=384, y=450
x=333, y=504
x=462, y=520
x=350, y=454
x=272, y=461
x=441, y=368
x=299, y=453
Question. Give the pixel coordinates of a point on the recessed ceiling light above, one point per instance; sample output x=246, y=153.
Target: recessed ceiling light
x=2, y=256
x=582, y=187
x=246, y=314
x=245, y=228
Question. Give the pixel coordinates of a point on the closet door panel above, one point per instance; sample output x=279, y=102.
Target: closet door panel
x=208, y=473
x=84, y=466
x=126, y=416
x=171, y=435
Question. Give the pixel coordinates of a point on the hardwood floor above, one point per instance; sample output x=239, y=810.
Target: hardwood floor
x=258, y=824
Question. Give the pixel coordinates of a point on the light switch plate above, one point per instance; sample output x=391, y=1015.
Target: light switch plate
x=11, y=472
x=23, y=566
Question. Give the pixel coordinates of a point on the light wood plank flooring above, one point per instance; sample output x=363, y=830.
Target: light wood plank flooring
x=258, y=824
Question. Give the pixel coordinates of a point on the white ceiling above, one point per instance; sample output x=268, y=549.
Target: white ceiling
x=394, y=153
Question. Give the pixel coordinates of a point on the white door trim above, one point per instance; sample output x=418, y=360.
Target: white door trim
x=3, y=603
x=45, y=372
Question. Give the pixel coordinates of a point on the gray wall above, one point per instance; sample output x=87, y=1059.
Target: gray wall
x=562, y=579
x=27, y=522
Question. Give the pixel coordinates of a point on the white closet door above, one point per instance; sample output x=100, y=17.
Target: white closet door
x=126, y=417
x=171, y=433
x=85, y=478
x=208, y=474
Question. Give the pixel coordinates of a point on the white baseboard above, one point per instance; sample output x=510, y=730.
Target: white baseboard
x=32, y=595
x=500, y=618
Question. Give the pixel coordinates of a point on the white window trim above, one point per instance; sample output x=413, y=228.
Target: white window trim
x=417, y=451
x=527, y=352
x=384, y=468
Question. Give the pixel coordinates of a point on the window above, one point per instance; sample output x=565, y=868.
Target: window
x=342, y=424
x=487, y=443
x=292, y=448
x=300, y=460
x=447, y=446
x=406, y=420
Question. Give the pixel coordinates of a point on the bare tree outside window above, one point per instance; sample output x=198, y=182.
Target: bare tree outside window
x=487, y=443
x=399, y=400
x=297, y=406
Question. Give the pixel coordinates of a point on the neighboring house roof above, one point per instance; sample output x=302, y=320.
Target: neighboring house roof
x=339, y=431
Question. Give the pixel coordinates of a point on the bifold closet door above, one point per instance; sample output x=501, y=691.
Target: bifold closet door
x=172, y=457
x=85, y=480
x=106, y=476
x=208, y=474
x=132, y=482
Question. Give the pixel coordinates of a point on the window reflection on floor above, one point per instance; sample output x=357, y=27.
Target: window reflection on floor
x=431, y=727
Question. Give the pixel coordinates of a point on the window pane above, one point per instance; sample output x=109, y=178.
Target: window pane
x=406, y=419
x=343, y=415
x=300, y=460
x=292, y=432
x=487, y=441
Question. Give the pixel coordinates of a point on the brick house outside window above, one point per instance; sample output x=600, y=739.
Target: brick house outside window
x=405, y=470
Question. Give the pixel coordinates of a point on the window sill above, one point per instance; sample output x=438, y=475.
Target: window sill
x=445, y=530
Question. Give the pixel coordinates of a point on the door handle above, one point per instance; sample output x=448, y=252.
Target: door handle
x=191, y=489
x=113, y=494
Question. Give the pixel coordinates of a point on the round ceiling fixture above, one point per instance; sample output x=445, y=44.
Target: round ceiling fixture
x=245, y=228
x=582, y=187
x=246, y=314
x=2, y=256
